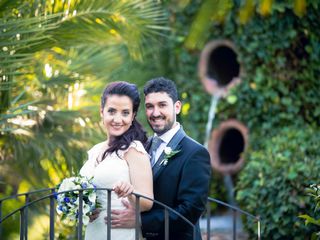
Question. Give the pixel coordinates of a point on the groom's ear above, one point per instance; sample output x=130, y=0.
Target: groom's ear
x=177, y=106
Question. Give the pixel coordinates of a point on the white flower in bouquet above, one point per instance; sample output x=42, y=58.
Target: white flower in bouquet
x=67, y=184
x=68, y=202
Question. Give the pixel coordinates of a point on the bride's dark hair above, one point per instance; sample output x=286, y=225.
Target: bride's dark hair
x=136, y=131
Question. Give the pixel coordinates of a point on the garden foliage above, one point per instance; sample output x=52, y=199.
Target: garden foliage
x=314, y=192
x=278, y=100
x=272, y=184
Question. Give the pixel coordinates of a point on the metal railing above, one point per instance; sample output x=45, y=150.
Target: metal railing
x=23, y=210
x=234, y=210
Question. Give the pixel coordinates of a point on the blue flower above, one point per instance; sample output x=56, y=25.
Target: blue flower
x=66, y=199
x=84, y=185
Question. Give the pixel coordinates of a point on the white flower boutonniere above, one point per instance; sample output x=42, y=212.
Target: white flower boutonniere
x=168, y=154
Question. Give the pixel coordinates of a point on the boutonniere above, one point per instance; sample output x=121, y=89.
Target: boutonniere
x=169, y=153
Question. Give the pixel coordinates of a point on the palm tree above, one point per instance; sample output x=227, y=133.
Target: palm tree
x=55, y=58
x=53, y=53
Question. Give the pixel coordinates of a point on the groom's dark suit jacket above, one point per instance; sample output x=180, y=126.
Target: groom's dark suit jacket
x=183, y=185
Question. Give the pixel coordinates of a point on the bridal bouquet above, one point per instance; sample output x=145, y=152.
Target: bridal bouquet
x=68, y=202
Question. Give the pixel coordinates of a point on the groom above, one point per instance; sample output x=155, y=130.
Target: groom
x=181, y=169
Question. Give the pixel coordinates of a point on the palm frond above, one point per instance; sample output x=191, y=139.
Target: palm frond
x=79, y=42
x=63, y=152
x=126, y=23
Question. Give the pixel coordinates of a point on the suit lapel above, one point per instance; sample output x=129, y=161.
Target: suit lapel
x=157, y=168
x=148, y=144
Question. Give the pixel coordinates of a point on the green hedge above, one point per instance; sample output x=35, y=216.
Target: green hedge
x=272, y=184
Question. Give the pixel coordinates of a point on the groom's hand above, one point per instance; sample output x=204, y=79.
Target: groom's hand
x=123, y=218
x=94, y=215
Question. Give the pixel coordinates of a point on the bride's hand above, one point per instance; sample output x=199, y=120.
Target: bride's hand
x=123, y=189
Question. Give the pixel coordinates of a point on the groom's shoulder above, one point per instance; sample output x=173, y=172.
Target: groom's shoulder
x=189, y=141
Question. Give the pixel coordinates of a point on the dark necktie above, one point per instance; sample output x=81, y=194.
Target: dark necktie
x=156, y=142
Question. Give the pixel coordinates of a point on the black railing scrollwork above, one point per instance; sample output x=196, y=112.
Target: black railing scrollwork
x=49, y=193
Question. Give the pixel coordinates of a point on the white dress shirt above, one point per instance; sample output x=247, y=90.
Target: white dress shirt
x=166, y=137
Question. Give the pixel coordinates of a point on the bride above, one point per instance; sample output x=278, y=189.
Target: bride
x=121, y=161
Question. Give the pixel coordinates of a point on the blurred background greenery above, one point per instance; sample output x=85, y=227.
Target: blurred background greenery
x=57, y=56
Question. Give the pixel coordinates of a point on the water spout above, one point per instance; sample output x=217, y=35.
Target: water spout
x=228, y=183
x=211, y=116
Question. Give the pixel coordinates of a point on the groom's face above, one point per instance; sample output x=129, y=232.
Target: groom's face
x=161, y=111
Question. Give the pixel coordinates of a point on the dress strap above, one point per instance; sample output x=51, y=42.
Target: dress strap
x=137, y=145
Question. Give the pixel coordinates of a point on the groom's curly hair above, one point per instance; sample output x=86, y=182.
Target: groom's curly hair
x=136, y=131
x=161, y=84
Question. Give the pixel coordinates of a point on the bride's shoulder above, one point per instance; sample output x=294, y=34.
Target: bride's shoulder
x=96, y=149
x=136, y=144
x=93, y=153
x=134, y=147
x=135, y=151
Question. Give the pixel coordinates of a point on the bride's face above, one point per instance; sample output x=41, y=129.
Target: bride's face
x=117, y=115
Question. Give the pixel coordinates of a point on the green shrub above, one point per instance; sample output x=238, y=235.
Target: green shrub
x=314, y=192
x=272, y=183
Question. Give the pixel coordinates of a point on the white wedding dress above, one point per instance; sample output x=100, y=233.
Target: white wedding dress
x=105, y=174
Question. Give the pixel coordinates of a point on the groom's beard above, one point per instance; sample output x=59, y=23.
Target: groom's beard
x=160, y=129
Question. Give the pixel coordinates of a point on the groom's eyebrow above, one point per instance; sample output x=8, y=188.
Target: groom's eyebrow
x=156, y=103
x=163, y=102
